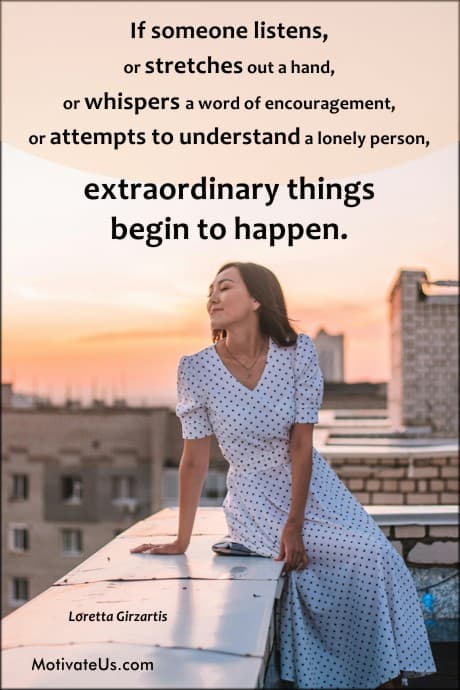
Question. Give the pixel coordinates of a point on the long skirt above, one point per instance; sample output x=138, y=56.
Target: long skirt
x=352, y=618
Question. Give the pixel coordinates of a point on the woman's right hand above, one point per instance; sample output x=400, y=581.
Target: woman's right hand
x=171, y=549
x=193, y=467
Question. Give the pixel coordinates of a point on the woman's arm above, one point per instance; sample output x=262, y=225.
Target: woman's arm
x=301, y=454
x=292, y=548
x=193, y=468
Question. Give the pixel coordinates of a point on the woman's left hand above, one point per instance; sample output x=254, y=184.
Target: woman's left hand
x=292, y=548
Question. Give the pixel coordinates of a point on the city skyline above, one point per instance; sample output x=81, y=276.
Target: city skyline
x=110, y=393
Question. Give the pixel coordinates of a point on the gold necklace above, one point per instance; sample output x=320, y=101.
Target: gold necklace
x=248, y=369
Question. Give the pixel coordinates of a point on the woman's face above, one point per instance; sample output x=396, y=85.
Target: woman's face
x=229, y=301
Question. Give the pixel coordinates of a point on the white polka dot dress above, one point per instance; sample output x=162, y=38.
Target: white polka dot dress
x=352, y=618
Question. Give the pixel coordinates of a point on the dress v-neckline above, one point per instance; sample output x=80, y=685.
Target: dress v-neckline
x=261, y=377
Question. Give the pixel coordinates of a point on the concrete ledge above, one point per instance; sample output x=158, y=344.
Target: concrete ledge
x=197, y=620
x=387, y=451
x=414, y=515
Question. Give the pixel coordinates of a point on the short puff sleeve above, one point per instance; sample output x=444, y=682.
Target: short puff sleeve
x=308, y=381
x=190, y=407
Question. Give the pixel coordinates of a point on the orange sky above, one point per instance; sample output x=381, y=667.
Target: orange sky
x=88, y=315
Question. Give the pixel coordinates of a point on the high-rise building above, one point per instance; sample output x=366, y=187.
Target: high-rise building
x=330, y=354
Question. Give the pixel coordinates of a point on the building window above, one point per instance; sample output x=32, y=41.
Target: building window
x=20, y=487
x=123, y=486
x=72, y=489
x=19, y=590
x=19, y=538
x=123, y=493
x=72, y=542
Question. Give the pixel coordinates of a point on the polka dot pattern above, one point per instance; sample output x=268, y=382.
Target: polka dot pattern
x=352, y=618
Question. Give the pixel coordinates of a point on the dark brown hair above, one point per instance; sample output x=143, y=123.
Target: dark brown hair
x=264, y=287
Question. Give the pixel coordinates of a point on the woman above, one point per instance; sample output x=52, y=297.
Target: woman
x=349, y=612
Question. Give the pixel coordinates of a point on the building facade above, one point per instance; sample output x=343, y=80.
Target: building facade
x=423, y=386
x=74, y=478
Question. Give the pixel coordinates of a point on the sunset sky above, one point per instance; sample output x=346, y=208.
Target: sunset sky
x=86, y=315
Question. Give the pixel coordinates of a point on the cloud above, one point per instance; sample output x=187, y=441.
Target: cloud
x=339, y=310
x=182, y=332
